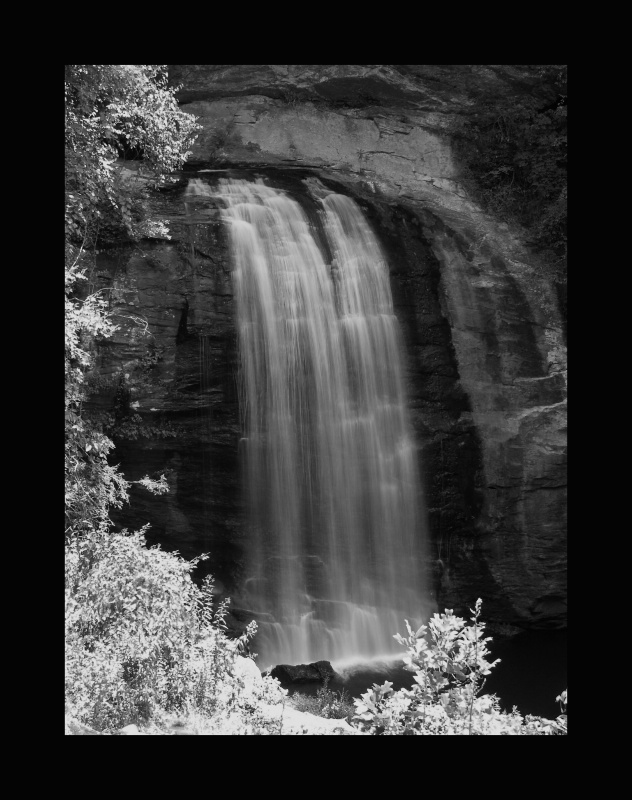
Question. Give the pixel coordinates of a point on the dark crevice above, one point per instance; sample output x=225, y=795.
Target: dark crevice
x=183, y=335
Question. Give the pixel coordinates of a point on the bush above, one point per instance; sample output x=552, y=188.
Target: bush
x=450, y=662
x=112, y=111
x=141, y=638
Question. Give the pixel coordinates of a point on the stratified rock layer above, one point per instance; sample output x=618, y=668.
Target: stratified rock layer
x=485, y=355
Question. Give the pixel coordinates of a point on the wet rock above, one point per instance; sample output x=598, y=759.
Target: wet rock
x=316, y=672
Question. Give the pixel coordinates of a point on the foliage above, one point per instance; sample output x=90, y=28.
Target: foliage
x=450, y=662
x=561, y=719
x=132, y=426
x=143, y=640
x=140, y=637
x=328, y=704
x=514, y=156
x=92, y=485
x=111, y=110
x=117, y=110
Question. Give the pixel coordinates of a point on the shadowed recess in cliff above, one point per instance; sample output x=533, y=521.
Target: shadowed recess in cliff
x=337, y=527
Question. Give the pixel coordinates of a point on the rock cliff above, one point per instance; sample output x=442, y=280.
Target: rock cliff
x=485, y=351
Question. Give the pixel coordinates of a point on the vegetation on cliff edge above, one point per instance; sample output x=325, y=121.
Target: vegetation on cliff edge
x=111, y=110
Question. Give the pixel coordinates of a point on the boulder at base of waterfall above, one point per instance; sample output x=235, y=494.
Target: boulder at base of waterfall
x=318, y=671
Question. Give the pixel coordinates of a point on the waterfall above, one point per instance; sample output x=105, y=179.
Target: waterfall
x=335, y=549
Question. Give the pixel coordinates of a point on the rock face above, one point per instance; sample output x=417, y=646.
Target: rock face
x=483, y=335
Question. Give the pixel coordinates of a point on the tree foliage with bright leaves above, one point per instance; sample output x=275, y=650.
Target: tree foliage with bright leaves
x=450, y=662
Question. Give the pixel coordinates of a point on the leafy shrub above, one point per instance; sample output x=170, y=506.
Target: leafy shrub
x=141, y=638
x=117, y=110
x=449, y=659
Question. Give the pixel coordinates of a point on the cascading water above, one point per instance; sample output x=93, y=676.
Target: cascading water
x=335, y=558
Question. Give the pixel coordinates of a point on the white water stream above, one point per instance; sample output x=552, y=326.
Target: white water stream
x=336, y=547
